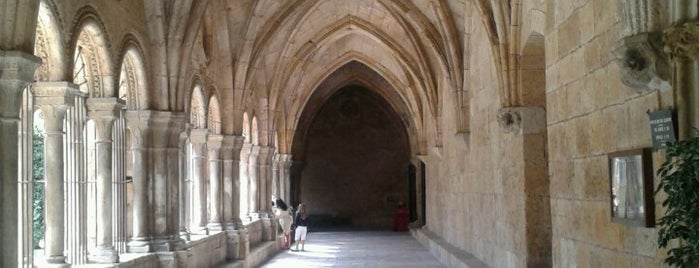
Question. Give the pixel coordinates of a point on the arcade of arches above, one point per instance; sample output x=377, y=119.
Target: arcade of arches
x=167, y=125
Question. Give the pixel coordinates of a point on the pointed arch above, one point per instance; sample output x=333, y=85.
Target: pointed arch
x=49, y=44
x=92, y=61
x=132, y=85
x=197, y=111
x=246, y=127
x=214, y=115
x=254, y=132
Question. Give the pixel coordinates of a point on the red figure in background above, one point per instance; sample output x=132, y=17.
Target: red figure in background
x=400, y=218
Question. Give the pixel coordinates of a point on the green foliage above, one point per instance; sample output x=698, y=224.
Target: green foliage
x=38, y=171
x=679, y=180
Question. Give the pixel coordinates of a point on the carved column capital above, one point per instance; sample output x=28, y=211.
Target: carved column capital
x=198, y=136
x=642, y=64
x=103, y=111
x=53, y=99
x=681, y=42
x=16, y=71
x=213, y=145
x=137, y=124
x=265, y=155
x=231, y=146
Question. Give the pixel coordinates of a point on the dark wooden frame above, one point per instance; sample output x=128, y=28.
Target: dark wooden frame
x=646, y=218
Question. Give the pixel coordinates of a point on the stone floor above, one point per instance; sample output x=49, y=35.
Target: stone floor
x=357, y=249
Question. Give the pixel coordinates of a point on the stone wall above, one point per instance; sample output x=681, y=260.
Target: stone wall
x=590, y=114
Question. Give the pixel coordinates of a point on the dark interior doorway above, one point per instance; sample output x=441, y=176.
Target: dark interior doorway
x=355, y=151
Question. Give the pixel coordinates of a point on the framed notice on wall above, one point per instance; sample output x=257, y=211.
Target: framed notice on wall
x=631, y=187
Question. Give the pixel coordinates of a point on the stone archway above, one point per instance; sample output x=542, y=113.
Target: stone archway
x=355, y=159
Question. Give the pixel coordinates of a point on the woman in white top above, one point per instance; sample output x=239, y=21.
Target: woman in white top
x=281, y=210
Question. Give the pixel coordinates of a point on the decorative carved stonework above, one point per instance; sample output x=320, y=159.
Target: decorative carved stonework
x=682, y=42
x=509, y=120
x=643, y=66
x=522, y=120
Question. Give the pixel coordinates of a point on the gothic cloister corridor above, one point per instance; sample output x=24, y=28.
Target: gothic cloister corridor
x=155, y=133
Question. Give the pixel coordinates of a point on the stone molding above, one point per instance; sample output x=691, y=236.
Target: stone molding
x=522, y=120
x=682, y=42
x=18, y=65
x=103, y=111
x=265, y=155
x=53, y=99
x=198, y=136
x=231, y=146
x=643, y=66
x=213, y=146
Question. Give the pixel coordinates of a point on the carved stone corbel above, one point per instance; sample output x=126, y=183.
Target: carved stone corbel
x=522, y=120
x=509, y=120
x=643, y=66
x=682, y=42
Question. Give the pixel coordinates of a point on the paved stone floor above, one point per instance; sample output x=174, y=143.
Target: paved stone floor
x=357, y=249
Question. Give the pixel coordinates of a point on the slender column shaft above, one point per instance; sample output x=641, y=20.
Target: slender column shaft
x=244, y=180
x=213, y=147
x=285, y=176
x=183, y=184
x=253, y=179
x=54, y=99
x=103, y=112
x=275, y=191
x=264, y=178
x=198, y=141
x=137, y=122
x=230, y=152
x=176, y=127
x=16, y=71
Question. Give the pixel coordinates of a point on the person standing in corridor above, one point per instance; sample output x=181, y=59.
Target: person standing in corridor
x=281, y=210
x=301, y=222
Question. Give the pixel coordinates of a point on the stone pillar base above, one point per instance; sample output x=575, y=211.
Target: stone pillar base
x=139, y=245
x=184, y=234
x=172, y=259
x=55, y=261
x=243, y=244
x=200, y=231
x=104, y=255
x=268, y=232
x=163, y=244
x=215, y=226
x=233, y=245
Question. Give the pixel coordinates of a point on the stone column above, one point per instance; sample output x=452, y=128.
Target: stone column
x=213, y=148
x=230, y=153
x=164, y=237
x=137, y=122
x=197, y=137
x=275, y=177
x=175, y=177
x=244, y=180
x=54, y=98
x=16, y=71
x=253, y=182
x=285, y=177
x=265, y=180
x=103, y=112
x=183, y=180
x=263, y=197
